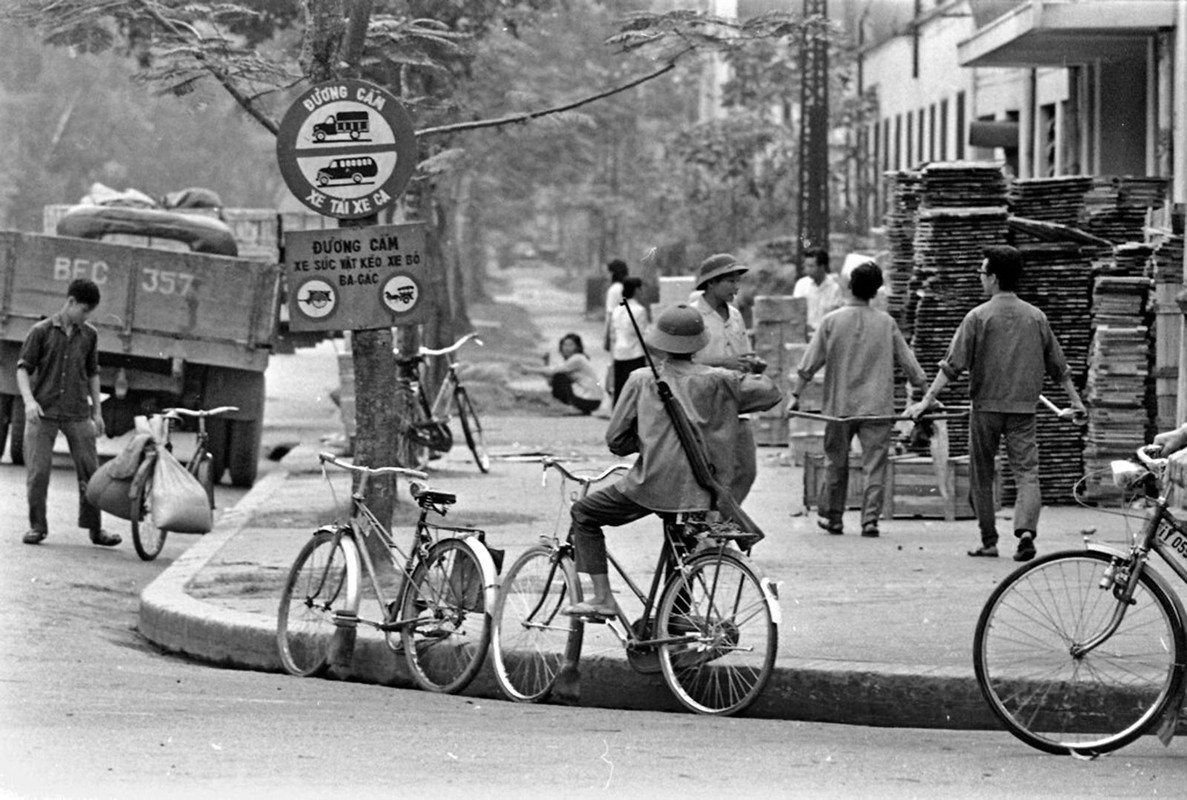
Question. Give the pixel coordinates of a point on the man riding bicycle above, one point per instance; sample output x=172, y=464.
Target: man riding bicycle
x=662, y=481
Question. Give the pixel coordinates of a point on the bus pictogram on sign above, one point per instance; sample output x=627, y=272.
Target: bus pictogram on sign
x=346, y=149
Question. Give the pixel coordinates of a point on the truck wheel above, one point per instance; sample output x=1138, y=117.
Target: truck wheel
x=243, y=454
x=217, y=429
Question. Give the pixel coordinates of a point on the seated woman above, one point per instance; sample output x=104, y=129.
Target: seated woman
x=573, y=381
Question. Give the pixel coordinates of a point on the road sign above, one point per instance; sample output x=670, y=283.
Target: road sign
x=346, y=149
x=356, y=278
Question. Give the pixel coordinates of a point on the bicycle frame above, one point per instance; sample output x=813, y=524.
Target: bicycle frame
x=672, y=554
x=364, y=523
x=437, y=410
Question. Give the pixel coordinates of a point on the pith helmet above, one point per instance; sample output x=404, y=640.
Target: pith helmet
x=716, y=266
x=679, y=329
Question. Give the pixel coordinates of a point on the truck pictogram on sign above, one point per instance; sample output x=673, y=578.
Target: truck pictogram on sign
x=351, y=123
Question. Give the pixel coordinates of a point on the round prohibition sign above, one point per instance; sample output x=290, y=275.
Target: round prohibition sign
x=316, y=299
x=400, y=293
x=346, y=148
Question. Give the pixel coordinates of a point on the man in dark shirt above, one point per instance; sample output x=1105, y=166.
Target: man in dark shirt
x=1006, y=345
x=58, y=375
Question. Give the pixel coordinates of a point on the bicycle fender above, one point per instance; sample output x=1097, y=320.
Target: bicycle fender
x=490, y=592
x=354, y=569
x=770, y=592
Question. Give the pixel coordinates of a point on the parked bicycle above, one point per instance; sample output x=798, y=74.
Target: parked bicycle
x=709, y=622
x=439, y=616
x=147, y=538
x=424, y=423
x=1082, y=651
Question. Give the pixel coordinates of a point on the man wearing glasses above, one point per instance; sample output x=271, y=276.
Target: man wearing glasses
x=1006, y=345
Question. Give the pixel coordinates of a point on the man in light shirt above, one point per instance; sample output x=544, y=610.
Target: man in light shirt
x=718, y=280
x=820, y=287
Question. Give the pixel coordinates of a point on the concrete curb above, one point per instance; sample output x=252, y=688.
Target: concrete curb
x=845, y=692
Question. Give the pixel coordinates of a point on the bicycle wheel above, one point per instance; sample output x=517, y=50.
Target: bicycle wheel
x=409, y=412
x=318, y=585
x=147, y=538
x=448, y=627
x=1063, y=703
x=531, y=639
x=719, y=602
x=472, y=428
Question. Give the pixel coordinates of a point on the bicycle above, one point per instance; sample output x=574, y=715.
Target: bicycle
x=424, y=424
x=440, y=612
x=147, y=538
x=713, y=631
x=1080, y=652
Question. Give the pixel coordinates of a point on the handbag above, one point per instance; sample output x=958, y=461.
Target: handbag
x=179, y=502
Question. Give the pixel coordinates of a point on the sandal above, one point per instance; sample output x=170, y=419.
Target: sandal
x=584, y=609
x=984, y=552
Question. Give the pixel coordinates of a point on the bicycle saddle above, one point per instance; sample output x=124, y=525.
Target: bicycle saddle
x=425, y=496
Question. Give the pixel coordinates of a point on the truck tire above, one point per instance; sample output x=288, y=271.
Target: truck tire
x=243, y=453
x=6, y=404
x=16, y=432
x=217, y=430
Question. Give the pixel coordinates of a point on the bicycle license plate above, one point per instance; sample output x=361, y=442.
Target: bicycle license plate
x=1173, y=538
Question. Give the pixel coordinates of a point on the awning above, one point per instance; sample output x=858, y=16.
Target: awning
x=1058, y=33
x=989, y=133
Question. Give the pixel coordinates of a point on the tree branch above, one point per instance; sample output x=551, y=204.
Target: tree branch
x=240, y=98
x=514, y=119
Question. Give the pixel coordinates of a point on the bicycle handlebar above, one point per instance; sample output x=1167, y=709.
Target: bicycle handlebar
x=426, y=352
x=330, y=458
x=587, y=480
x=1148, y=454
x=213, y=412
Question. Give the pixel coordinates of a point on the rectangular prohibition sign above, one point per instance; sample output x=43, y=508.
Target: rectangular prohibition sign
x=356, y=278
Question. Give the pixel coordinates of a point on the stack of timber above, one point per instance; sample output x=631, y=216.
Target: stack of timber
x=1118, y=379
x=1166, y=261
x=1116, y=207
x=1058, y=199
x=903, y=192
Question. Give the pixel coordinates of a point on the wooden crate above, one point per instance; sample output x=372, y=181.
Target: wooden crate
x=805, y=437
x=913, y=491
x=771, y=427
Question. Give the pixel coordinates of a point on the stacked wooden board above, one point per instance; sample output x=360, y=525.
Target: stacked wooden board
x=1118, y=377
x=1058, y=199
x=1166, y=260
x=1115, y=208
x=902, y=208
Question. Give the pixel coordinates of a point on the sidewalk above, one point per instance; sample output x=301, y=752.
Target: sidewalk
x=875, y=631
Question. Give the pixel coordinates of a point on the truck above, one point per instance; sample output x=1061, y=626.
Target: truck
x=175, y=329
x=353, y=123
